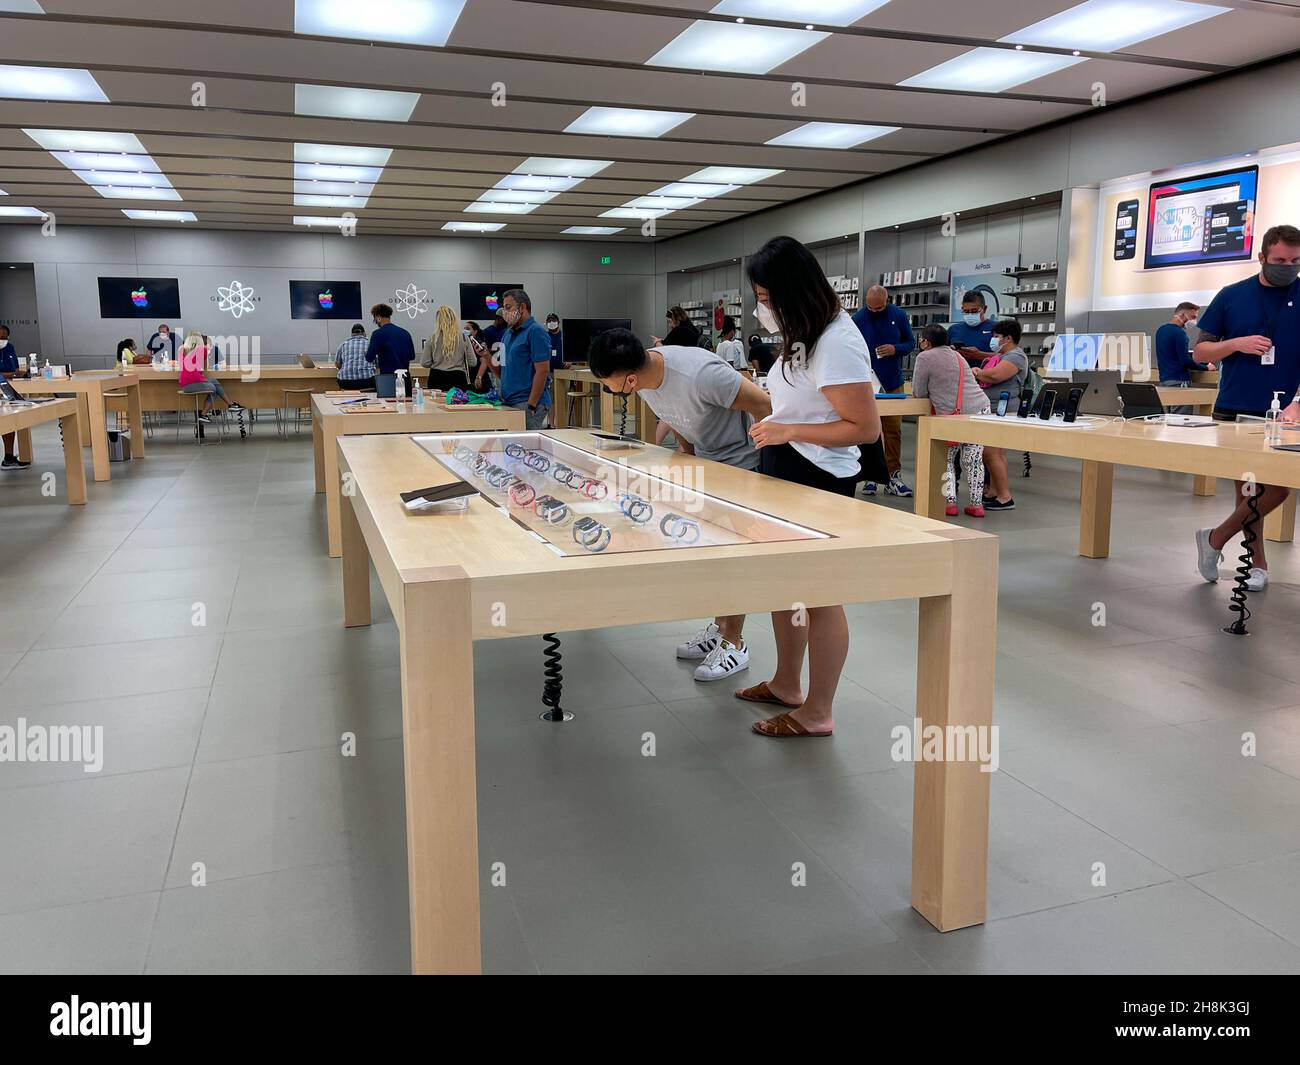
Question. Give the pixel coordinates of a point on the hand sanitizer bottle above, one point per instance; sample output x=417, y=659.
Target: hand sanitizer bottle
x=399, y=392
x=418, y=399
x=48, y=371
x=1273, y=422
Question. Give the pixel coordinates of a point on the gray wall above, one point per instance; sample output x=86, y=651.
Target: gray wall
x=1237, y=113
x=560, y=276
x=18, y=307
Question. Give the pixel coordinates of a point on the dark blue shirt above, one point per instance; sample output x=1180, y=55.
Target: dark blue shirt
x=9, y=358
x=890, y=326
x=961, y=335
x=525, y=346
x=557, y=348
x=1245, y=309
x=391, y=348
x=1174, y=354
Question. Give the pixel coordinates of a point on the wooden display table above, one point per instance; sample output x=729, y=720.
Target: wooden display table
x=1227, y=449
x=561, y=380
x=257, y=388
x=329, y=421
x=20, y=420
x=455, y=578
x=89, y=388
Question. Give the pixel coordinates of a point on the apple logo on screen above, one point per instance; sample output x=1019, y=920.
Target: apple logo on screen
x=326, y=299
x=492, y=302
x=139, y=298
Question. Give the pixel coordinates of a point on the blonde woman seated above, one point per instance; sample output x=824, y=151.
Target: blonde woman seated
x=448, y=353
x=193, y=360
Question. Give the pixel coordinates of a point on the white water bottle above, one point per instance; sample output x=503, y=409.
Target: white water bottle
x=1273, y=422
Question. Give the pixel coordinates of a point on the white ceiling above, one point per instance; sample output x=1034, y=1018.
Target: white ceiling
x=232, y=161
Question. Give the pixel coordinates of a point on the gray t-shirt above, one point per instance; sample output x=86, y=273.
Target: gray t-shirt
x=1011, y=384
x=934, y=376
x=695, y=398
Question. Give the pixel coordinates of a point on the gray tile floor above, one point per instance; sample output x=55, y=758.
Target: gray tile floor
x=1121, y=745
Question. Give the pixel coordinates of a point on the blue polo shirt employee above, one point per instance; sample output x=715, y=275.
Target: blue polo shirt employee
x=1252, y=330
x=972, y=335
x=888, y=335
x=526, y=369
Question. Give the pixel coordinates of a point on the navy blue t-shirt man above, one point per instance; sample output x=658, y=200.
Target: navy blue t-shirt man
x=1251, y=329
x=391, y=349
x=970, y=335
x=526, y=369
x=885, y=325
x=1173, y=349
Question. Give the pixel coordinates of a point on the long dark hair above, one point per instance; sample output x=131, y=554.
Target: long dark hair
x=800, y=296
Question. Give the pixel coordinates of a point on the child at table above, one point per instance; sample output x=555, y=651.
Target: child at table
x=947, y=379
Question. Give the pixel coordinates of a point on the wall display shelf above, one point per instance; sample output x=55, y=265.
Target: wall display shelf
x=917, y=275
x=847, y=289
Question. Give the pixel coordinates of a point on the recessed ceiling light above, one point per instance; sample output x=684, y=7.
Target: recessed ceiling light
x=697, y=189
x=314, y=200
x=562, y=167
x=516, y=196
x=486, y=207
x=666, y=203
x=331, y=221
x=348, y=154
x=989, y=70
x=130, y=192
x=21, y=7
x=732, y=175
x=106, y=161
x=474, y=227
x=1105, y=25
x=336, y=172
x=829, y=12
x=77, y=140
x=405, y=21
x=593, y=231
x=536, y=183
x=332, y=101
x=160, y=216
x=21, y=212
x=627, y=122
x=723, y=46
x=49, y=83
x=831, y=135
x=124, y=179
x=359, y=189
x=632, y=212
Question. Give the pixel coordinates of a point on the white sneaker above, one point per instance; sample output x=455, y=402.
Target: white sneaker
x=723, y=661
x=1207, y=558
x=870, y=488
x=1258, y=580
x=701, y=644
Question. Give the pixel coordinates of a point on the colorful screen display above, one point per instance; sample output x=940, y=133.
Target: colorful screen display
x=1204, y=219
x=325, y=299
x=139, y=297
x=480, y=302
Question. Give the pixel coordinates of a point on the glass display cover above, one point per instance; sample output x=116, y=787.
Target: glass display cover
x=579, y=503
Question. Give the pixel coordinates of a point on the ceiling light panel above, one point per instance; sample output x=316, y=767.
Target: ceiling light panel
x=538, y=183
x=485, y=207
x=732, y=46
x=132, y=179
x=427, y=22
x=76, y=140
x=116, y=192
x=579, y=168
x=315, y=200
x=627, y=122
x=49, y=83
x=500, y=195
x=21, y=212
x=1106, y=25
x=989, y=70
x=83, y=161
x=330, y=221
x=633, y=212
x=831, y=135
x=333, y=101
x=21, y=7
x=349, y=154
x=593, y=231
x=474, y=227
x=332, y=188
x=160, y=216
x=732, y=175
x=823, y=13
x=665, y=203
x=335, y=172
x=694, y=188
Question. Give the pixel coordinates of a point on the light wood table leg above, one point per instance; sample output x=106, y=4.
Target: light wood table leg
x=438, y=752
x=318, y=455
x=956, y=647
x=98, y=436
x=1279, y=523
x=559, y=408
x=647, y=423
x=25, y=445
x=74, y=468
x=83, y=418
x=1201, y=485
x=135, y=413
x=333, y=492
x=1096, y=483
x=356, y=568
x=931, y=466
x=607, y=421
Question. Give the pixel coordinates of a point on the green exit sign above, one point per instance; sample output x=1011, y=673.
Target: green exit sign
x=605, y=260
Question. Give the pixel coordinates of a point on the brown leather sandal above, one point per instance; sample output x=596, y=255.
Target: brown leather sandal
x=785, y=727
x=761, y=693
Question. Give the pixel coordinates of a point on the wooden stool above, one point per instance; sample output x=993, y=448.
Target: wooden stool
x=298, y=408
x=199, y=435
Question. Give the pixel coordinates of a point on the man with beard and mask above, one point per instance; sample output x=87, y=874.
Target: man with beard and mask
x=1174, y=360
x=1251, y=329
x=888, y=333
x=526, y=368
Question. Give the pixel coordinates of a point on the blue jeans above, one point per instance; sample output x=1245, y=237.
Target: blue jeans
x=533, y=421
x=1180, y=409
x=211, y=387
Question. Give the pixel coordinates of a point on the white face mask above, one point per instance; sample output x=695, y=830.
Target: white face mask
x=3, y=343
x=971, y=319
x=554, y=327
x=766, y=318
x=995, y=343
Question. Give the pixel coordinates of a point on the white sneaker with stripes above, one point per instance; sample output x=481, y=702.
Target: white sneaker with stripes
x=724, y=660
x=699, y=645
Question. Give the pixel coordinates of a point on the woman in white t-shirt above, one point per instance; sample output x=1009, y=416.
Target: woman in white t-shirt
x=823, y=407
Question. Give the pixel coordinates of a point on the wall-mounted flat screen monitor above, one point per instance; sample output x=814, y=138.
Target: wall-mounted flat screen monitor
x=1209, y=218
x=481, y=301
x=578, y=334
x=325, y=299
x=139, y=297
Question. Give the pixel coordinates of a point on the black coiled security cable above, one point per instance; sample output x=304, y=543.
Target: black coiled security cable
x=553, y=685
x=1248, y=537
